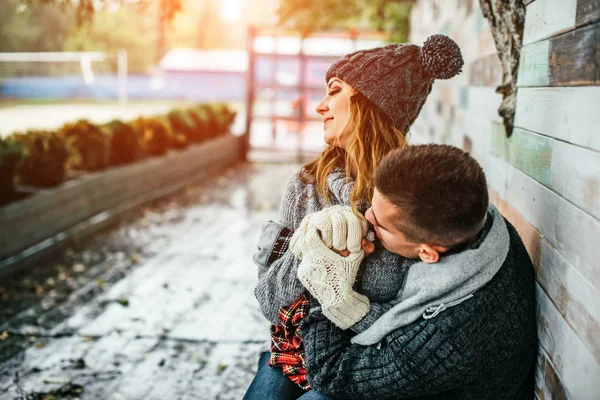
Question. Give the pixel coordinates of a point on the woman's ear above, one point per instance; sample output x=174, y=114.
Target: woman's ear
x=428, y=254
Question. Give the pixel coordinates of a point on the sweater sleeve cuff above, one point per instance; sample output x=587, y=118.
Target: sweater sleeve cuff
x=376, y=311
x=273, y=242
x=281, y=245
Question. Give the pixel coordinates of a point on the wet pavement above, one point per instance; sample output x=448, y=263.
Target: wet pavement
x=160, y=307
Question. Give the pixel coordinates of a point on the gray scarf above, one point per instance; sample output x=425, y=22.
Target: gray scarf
x=431, y=288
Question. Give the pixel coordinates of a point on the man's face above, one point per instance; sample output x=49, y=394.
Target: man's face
x=384, y=216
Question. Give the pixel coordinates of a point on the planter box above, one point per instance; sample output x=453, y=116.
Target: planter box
x=40, y=217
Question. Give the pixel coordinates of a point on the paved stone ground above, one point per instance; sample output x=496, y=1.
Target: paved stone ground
x=160, y=307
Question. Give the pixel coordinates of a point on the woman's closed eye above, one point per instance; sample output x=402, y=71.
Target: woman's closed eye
x=334, y=91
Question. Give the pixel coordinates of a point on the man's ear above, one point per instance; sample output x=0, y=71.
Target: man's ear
x=429, y=254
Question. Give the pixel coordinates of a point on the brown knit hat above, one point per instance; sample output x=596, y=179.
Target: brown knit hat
x=397, y=78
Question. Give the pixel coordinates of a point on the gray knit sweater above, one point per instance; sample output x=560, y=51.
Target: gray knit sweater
x=380, y=277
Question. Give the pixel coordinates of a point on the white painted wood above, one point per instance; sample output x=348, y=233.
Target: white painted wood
x=575, y=365
x=484, y=101
x=533, y=65
x=496, y=173
x=546, y=18
x=565, y=113
x=572, y=231
x=573, y=295
x=575, y=175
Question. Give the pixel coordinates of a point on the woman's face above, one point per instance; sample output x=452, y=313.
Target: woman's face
x=335, y=110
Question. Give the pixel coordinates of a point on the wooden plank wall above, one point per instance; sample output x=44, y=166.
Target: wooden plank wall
x=546, y=178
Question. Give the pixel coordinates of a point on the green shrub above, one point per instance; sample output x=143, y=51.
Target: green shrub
x=220, y=115
x=226, y=116
x=201, y=125
x=182, y=123
x=124, y=144
x=11, y=154
x=90, y=145
x=206, y=114
x=45, y=158
x=179, y=140
x=153, y=135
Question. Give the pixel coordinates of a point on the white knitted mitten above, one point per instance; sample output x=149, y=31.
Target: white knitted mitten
x=339, y=228
x=329, y=277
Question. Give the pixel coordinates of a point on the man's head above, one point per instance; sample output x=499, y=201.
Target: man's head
x=428, y=199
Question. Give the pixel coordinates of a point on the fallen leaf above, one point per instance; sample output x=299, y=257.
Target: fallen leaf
x=124, y=302
x=56, y=380
x=79, y=268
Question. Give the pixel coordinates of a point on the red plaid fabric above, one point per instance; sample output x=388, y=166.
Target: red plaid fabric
x=287, y=349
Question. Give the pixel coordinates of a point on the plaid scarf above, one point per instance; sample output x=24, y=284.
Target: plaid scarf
x=287, y=349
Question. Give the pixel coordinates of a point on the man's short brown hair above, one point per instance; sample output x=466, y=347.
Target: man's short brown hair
x=440, y=191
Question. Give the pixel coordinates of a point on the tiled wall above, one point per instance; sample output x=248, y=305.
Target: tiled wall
x=546, y=178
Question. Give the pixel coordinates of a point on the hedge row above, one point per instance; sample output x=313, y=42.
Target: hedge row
x=43, y=158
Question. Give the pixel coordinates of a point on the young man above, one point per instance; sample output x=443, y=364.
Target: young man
x=463, y=325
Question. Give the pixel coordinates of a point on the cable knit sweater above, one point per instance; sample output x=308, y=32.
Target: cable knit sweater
x=381, y=275
x=484, y=348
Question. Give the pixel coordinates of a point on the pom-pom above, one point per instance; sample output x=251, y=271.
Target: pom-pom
x=441, y=57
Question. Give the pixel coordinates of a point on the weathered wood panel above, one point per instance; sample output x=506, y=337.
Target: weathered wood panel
x=547, y=381
x=575, y=298
x=575, y=57
x=484, y=102
x=529, y=152
x=546, y=18
x=571, y=293
x=533, y=65
x=574, y=364
x=587, y=11
x=568, y=114
x=576, y=176
x=570, y=59
x=572, y=172
x=571, y=230
x=486, y=71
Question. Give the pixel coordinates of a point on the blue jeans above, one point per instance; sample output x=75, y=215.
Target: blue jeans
x=270, y=384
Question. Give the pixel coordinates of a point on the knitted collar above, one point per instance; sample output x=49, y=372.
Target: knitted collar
x=429, y=289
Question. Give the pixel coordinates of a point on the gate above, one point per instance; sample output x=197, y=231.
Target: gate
x=285, y=82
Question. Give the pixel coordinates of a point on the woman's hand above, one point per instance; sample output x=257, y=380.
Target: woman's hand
x=367, y=246
x=338, y=228
x=329, y=277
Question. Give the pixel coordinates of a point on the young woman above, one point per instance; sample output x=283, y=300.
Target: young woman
x=373, y=97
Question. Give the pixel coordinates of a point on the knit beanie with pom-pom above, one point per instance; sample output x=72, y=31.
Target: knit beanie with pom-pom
x=397, y=78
